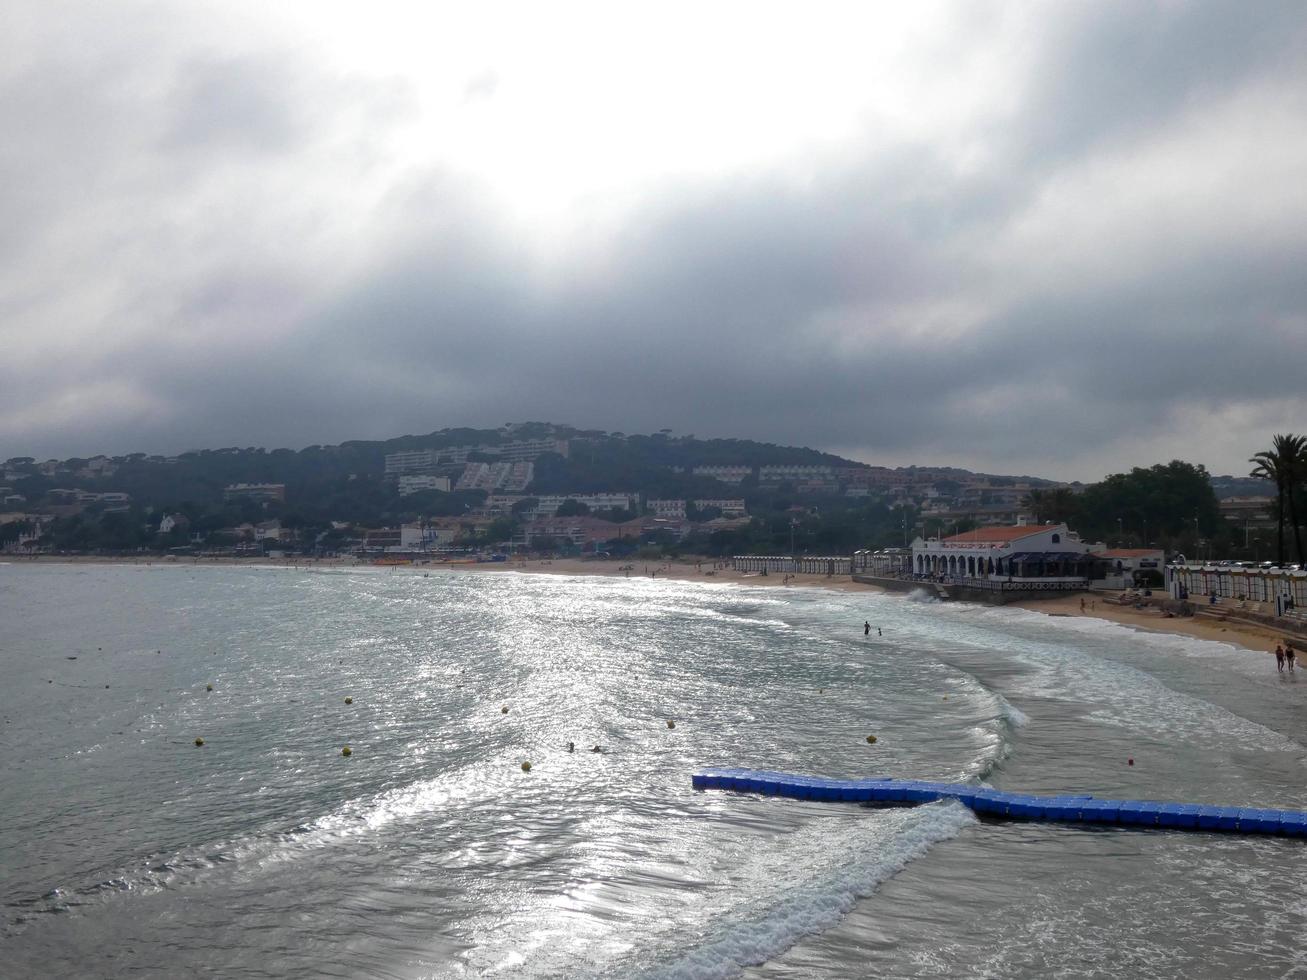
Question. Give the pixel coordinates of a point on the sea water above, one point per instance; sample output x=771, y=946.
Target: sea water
x=128, y=850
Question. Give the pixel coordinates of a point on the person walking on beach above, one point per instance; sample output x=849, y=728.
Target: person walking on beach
x=866, y=628
x=1289, y=656
x=1279, y=658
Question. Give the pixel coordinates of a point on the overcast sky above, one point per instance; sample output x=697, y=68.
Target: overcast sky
x=1060, y=239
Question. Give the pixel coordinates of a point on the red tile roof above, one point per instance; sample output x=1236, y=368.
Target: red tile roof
x=1001, y=533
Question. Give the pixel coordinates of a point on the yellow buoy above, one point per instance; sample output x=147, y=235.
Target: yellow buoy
x=871, y=739
x=208, y=687
x=199, y=741
x=349, y=700
x=347, y=751
x=526, y=767
x=671, y=724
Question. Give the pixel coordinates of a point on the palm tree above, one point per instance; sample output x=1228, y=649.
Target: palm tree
x=1285, y=464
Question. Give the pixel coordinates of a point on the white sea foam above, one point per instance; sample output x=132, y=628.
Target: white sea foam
x=1013, y=715
x=817, y=905
x=1063, y=666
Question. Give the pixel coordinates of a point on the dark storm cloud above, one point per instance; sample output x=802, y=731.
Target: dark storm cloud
x=1074, y=302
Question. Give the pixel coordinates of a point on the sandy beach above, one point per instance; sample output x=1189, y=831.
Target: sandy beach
x=1248, y=636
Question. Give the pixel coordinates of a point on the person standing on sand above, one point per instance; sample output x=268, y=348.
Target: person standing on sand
x=1082, y=603
x=1279, y=658
x=1289, y=656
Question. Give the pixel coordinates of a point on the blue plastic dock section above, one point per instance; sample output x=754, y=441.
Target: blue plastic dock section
x=1015, y=806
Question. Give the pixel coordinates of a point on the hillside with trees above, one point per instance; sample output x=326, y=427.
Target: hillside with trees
x=334, y=493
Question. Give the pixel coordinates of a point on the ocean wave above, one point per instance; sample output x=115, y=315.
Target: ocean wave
x=1063, y=666
x=818, y=905
x=1014, y=716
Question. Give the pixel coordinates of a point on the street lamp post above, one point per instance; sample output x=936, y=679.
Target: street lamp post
x=1120, y=529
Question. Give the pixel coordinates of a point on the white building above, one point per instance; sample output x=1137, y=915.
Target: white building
x=507, y=477
x=733, y=507
x=415, y=461
x=548, y=506
x=498, y=504
x=526, y=450
x=726, y=474
x=1021, y=553
x=271, y=531
x=416, y=483
x=792, y=473
x=667, y=508
x=1122, y=566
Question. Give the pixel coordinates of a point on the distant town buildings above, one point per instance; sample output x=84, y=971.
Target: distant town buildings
x=427, y=461
x=726, y=474
x=666, y=508
x=1250, y=512
x=548, y=506
x=732, y=507
x=579, y=531
x=255, y=491
x=417, y=461
x=410, y=484
x=527, y=449
x=496, y=477
x=271, y=531
x=804, y=479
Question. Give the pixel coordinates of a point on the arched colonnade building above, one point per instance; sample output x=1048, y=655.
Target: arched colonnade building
x=1046, y=554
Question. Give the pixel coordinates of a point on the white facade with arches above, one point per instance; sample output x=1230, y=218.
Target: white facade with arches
x=1019, y=553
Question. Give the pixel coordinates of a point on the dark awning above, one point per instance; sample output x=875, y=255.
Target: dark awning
x=1050, y=556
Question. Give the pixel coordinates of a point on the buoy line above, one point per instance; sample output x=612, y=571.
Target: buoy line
x=1079, y=809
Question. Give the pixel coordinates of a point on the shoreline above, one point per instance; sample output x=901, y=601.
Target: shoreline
x=1248, y=637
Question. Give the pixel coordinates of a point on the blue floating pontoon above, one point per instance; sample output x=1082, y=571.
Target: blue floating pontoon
x=1016, y=806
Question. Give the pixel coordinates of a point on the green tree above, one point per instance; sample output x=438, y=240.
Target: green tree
x=1176, y=499
x=1057, y=505
x=1285, y=465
